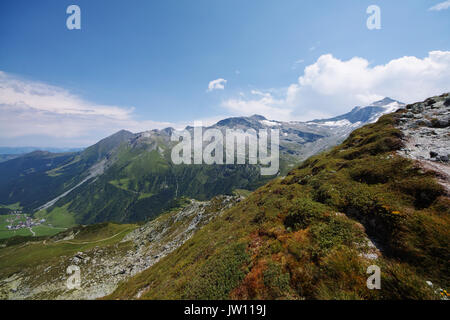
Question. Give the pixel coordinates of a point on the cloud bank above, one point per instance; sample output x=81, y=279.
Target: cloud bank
x=36, y=113
x=332, y=86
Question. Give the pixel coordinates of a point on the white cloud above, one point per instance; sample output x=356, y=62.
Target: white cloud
x=34, y=112
x=260, y=103
x=441, y=6
x=218, y=84
x=332, y=86
x=46, y=98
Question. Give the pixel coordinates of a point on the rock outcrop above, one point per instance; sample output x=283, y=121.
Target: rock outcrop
x=426, y=129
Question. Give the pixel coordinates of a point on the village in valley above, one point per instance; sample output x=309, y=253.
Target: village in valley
x=19, y=220
x=15, y=221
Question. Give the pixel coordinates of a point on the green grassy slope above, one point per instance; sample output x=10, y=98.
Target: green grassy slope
x=141, y=184
x=305, y=236
x=58, y=217
x=33, y=255
x=24, y=178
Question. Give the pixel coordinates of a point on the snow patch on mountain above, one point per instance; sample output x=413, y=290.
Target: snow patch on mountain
x=389, y=108
x=270, y=123
x=339, y=123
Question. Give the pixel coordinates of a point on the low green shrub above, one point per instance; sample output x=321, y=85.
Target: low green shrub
x=275, y=280
x=380, y=169
x=335, y=232
x=275, y=246
x=219, y=275
x=303, y=212
x=425, y=190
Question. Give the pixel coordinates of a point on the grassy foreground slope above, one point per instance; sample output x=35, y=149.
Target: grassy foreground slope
x=35, y=267
x=305, y=236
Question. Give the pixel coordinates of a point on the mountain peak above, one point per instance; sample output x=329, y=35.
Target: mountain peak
x=168, y=130
x=106, y=145
x=384, y=102
x=121, y=132
x=367, y=114
x=257, y=117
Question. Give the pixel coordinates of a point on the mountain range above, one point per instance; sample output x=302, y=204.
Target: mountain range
x=129, y=177
x=8, y=153
x=380, y=199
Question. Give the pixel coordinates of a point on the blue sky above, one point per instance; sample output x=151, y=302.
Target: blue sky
x=149, y=63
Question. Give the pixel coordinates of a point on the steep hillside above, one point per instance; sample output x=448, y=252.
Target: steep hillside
x=312, y=234
x=102, y=149
x=6, y=157
x=39, y=177
x=35, y=178
x=105, y=253
x=141, y=182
